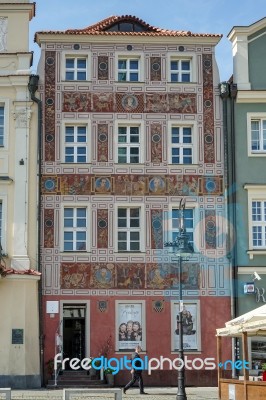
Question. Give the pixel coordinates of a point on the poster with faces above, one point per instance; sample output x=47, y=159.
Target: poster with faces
x=129, y=329
x=189, y=326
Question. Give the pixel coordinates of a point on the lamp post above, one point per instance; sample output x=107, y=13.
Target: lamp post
x=182, y=248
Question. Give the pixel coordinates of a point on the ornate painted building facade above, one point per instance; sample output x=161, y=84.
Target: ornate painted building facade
x=19, y=308
x=132, y=124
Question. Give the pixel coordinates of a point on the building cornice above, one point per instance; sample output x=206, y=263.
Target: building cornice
x=251, y=96
x=42, y=38
x=19, y=8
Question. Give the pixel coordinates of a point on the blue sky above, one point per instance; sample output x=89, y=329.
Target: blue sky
x=198, y=16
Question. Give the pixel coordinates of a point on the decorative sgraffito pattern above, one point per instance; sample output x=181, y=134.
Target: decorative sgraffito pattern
x=157, y=184
x=130, y=184
x=190, y=277
x=102, y=143
x=208, y=109
x=103, y=68
x=128, y=276
x=210, y=229
x=212, y=185
x=48, y=230
x=183, y=185
x=76, y=101
x=102, y=229
x=156, y=229
x=102, y=275
x=156, y=68
x=102, y=184
x=156, y=143
x=102, y=102
x=130, y=102
x=75, y=276
x=137, y=185
x=49, y=116
x=172, y=102
x=75, y=184
x=50, y=184
x=159, y=276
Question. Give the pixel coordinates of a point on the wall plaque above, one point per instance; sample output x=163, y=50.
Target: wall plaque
x=17, y=336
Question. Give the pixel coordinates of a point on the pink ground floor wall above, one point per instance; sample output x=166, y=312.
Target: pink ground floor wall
x=214, y=312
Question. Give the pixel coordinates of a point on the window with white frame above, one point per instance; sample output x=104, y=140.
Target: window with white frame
x=188, y=220
x=128, y=144
x=180, y=70
x=75, y=144
x=181, y=145
x=258, y=135
x=128, y=229
x=128, y=69
x=2, y=126
x=75, y=229
x=259, y=223
x=76, y=68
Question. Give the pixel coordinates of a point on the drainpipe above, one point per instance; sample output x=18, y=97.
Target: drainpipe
x=33, y=86
x=228, y=93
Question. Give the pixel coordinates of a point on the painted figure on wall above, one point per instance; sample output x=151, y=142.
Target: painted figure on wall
x=102, y=185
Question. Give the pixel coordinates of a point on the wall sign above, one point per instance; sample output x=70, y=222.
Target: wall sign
x=17, y=336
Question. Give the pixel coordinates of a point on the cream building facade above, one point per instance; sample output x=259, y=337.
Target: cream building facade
x=19, y=310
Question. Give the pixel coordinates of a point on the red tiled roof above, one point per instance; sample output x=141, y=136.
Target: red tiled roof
x=6, y=271
x=25, y=272
x=100, y=28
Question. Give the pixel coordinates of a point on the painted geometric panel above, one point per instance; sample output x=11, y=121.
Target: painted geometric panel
x=103, y=68
x=190, y=278
x=102, y=275
x=130, y=102
x=75, y=276
x=159, y=276
x=208, y=109
x=157, y=185
x=130, y=185
x=102, y=142
x=76, y=101
x=49, y=116
x=102, y=229
x=48, y=230
x=156, y=68
x=210, y=229
x=130, y=276
x=102, y=102
x=156, y=143
x=183, y=185
x=212, y=185
x=156, y=229
x=75, y=184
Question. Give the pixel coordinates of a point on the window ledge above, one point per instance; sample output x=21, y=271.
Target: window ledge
x=130, y=252
x=132, y=82
x=74, y=252
x=253, y=253
x=76, y=80
x=6, y=180
x=181, y=83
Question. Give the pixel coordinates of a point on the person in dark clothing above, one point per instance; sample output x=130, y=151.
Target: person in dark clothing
x=136, y=373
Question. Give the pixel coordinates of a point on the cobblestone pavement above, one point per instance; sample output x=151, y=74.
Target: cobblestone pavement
x=195, y=393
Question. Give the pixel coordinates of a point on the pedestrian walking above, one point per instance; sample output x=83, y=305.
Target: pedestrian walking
x=136, y=373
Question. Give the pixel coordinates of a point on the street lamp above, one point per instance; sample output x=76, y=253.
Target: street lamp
x=182, y=248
